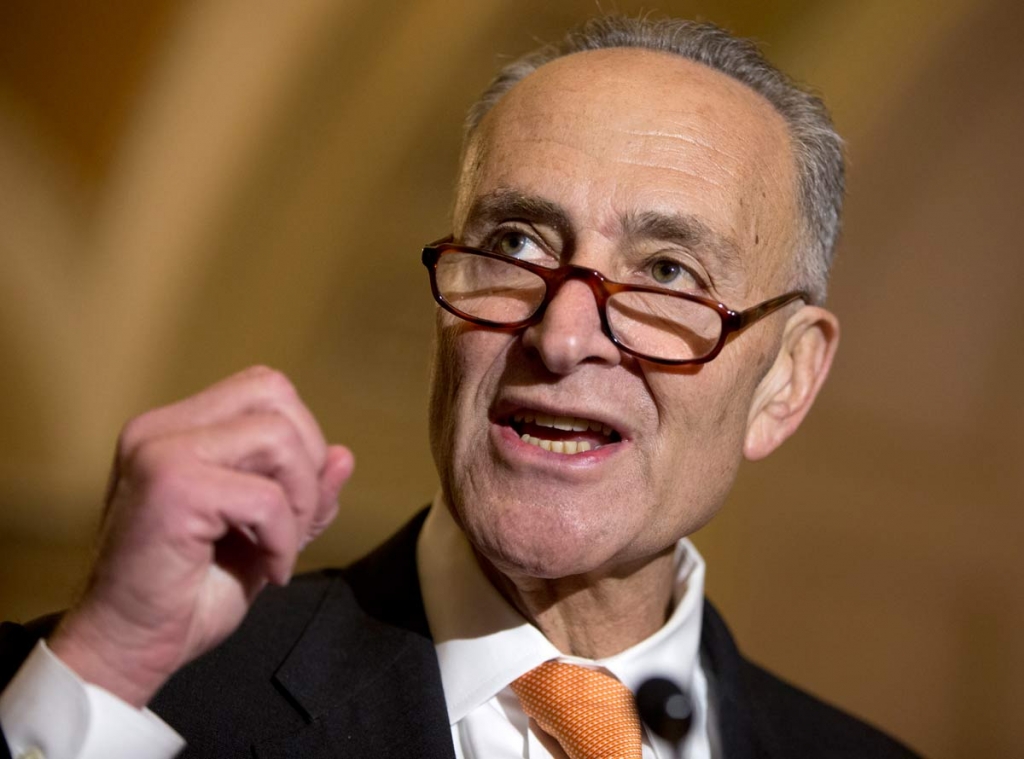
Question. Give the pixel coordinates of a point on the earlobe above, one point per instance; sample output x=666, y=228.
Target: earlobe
x=788, y=389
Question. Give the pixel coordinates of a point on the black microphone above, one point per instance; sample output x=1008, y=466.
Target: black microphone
x=666, y=710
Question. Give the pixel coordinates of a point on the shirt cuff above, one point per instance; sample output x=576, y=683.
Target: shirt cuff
x=49, y=709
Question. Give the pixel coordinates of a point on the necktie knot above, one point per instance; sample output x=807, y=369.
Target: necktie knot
x=591, y=714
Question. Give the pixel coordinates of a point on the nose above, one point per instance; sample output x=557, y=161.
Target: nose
x=570, y=333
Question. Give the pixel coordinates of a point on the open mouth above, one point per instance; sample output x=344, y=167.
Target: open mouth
x=562, y=434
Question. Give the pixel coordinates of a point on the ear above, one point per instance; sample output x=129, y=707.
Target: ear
x=787, y=392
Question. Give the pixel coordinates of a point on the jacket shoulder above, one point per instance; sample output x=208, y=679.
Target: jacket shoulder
x=761, y=715
x=795, y=723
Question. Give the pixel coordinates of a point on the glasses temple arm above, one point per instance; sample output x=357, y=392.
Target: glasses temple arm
x=761, y=310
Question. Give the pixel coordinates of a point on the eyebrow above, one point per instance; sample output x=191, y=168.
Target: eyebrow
x=685, y=230
x=504, y=204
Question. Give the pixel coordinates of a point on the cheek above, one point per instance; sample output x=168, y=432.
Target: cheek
x=444, y=381
x=702, y=420
x=467, y=359
x=701, y=433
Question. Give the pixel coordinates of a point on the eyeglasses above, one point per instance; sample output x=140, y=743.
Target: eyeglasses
x=657, y=325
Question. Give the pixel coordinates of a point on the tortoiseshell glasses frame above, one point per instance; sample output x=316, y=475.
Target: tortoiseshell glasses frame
x=647, y=319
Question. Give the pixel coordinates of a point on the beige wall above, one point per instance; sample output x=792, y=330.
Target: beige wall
x=188, y=188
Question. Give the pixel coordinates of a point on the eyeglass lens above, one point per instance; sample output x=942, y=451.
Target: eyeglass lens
x=656, y=325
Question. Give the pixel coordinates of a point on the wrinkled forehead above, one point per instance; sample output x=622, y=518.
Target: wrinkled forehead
x=622, y=131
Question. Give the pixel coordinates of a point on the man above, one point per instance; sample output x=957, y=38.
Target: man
x=591, y=402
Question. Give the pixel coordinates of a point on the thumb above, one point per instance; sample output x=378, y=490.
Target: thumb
x=337, y=469
x=336, y=472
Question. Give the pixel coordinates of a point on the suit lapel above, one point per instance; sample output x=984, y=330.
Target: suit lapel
x=364, y=673
x=723, y=668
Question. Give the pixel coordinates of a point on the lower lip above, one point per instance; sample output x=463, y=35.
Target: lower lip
x=508, y=441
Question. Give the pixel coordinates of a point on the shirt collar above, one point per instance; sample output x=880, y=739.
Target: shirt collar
x=483, y=643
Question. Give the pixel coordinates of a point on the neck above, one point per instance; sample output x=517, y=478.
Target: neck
x=597, y=614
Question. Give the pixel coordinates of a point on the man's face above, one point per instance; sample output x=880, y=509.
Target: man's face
x=638, y=164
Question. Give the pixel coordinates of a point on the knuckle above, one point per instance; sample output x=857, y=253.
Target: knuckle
x=268, y=501
x=274, y=382
x=156, y=466
x=131, y=436
x=147, y=457
x=279, y=435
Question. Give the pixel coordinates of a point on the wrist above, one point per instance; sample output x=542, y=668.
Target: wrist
x=101, y=657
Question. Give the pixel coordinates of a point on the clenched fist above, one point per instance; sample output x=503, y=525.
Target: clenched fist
x=209, y=499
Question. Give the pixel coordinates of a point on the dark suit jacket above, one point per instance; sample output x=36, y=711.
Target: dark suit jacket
x=341, y=664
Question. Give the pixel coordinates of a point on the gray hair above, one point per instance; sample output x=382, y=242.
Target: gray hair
x=817, y=147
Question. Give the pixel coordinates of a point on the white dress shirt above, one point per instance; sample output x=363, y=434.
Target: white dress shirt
x=483, y=644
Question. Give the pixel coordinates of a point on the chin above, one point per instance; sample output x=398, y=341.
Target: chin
x=548, y=542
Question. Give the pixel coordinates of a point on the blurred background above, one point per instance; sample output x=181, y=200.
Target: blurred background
x=187, y=188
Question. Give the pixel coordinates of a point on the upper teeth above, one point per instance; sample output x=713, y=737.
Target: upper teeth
x=566, y=423
x=557, y=446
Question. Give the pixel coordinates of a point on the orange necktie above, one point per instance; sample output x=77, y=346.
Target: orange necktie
x=591, y=715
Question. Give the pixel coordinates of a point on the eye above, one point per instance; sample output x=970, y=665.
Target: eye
x=666, y=272
x=512, y=244
x=516, y=244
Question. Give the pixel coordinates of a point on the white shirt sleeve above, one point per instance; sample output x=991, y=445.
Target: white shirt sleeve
x=48, y=711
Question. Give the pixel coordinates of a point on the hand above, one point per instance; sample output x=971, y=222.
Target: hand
x=209, y=499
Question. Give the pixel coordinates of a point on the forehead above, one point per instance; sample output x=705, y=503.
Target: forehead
x=610, y=134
